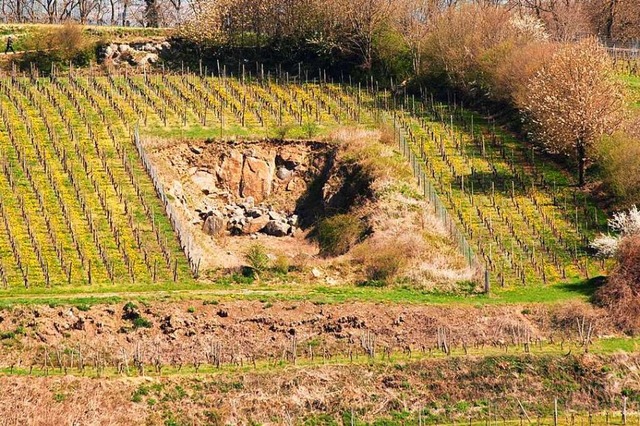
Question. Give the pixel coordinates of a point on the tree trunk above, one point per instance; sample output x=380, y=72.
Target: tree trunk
x=581, y=162
x=151, y=13
x=610, y=19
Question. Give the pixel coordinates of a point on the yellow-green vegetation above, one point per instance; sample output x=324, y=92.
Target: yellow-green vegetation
x=27, y=31
x=541, y=352
x=77, y=206
x=526, y=223
x=633, y=83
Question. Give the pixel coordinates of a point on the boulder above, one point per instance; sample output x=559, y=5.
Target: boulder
x=257, y=178
x=254, y=225
x=291, y=185
x=253, y=212
x=249, y=203
x=276, y=216
x=110, y=51
x=124, y=48
x=149, y=58
x=205, y=181
x=214, y=225
x=177, y=192
x=276, y=228
x=284, y=174
x=230, y=171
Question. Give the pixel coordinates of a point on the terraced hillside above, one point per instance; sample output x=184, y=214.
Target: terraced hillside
x=77, y=205
x=78, y=208
x=525, y=218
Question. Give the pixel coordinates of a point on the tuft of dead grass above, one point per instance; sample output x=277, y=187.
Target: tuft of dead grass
x=621, y=294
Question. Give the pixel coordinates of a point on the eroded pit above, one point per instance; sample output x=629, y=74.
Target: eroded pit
x=341, y=212
x=234, y=194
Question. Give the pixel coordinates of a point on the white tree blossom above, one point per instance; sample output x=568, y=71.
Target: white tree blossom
x=625, y=223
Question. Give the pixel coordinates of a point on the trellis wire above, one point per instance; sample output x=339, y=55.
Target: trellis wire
x=184, y=235
x=431, y=194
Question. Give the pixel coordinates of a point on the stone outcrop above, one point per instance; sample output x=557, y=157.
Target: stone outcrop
x=257, y=177
x=134, y=54
x=245, y=218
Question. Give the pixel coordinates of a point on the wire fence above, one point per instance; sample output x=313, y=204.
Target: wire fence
x=418, y=163
x=185, y=237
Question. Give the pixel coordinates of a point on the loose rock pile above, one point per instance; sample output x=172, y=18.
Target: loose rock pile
x=134, y=54
x=247, y=218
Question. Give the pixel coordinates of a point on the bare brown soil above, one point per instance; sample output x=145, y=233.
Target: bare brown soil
x=244, y=331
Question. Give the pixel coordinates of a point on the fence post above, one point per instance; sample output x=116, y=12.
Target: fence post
x=555, y=412
x=487, y=283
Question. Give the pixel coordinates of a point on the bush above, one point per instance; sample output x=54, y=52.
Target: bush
x=337, y=234
x=310, y=129
x=281, y=132
x=281, y=265
x=257, y=257
x=141, y=322
x=130, y=311
x=621, y=294
x=620, y=160
x=386, y=264
x=60, y=46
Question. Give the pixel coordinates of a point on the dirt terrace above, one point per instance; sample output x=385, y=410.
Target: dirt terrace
x=244, y=330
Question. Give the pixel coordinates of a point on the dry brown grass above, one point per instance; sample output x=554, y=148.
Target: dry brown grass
x=407, y=241
x=291, y=396
x=621, y=294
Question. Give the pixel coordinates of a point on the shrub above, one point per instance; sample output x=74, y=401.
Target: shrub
x=626, y=224
x=257, y=257
x=620, y=161
x=130, y=311
x=282, y=264
x=337, y=234
x=59, y=45
x=281, y=132
x=621, y=294
x=141, y=322
x=310, y=129
x=386, y=264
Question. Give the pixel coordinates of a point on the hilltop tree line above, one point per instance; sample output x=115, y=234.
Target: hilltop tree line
x=617, y=21
x=139, y=13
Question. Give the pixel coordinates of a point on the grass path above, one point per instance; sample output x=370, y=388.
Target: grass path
x=294, y=291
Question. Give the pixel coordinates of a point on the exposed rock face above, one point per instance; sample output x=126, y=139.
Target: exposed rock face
x=257, y=178
x=230, y=172
x=135, y=54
